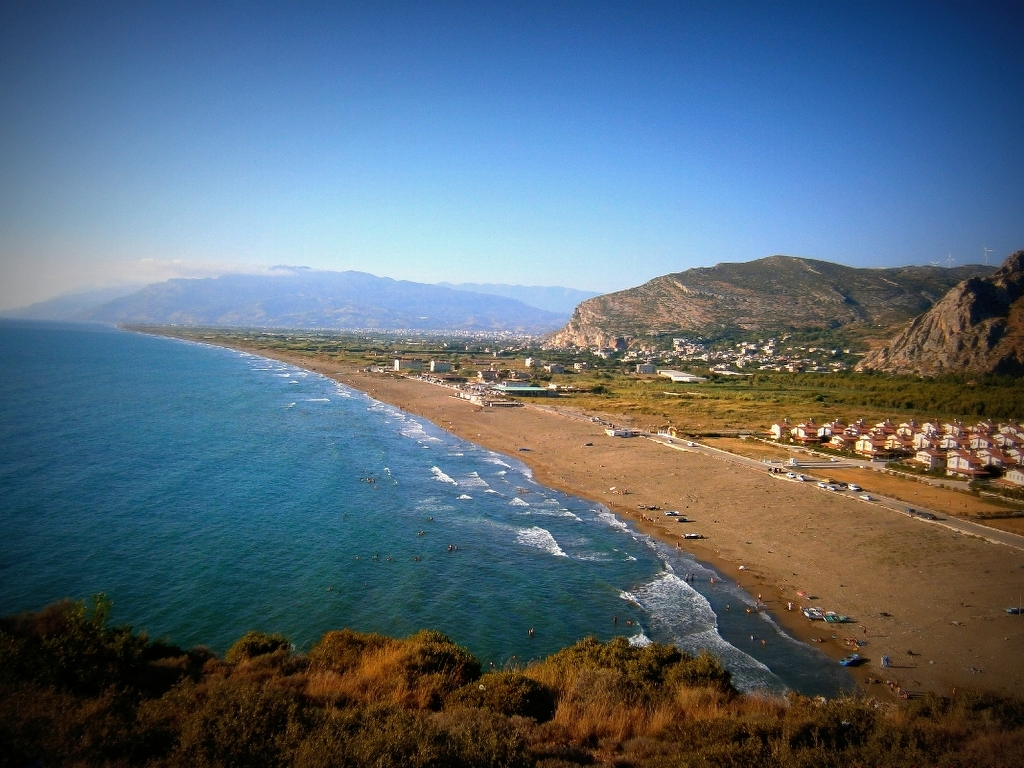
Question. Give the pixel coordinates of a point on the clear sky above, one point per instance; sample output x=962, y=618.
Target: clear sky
x=587, y=144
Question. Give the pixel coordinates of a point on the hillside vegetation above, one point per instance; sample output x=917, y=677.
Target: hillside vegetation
x=773, y=295
x=76, y=691
x=978, y=327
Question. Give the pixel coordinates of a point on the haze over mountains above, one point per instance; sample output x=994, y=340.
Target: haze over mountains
x=770, y=295
x=553, y=298
x=306, y=298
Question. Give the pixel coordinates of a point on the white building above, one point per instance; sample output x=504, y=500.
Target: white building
x=408, y=365
x=680, y=377
x=438, y=366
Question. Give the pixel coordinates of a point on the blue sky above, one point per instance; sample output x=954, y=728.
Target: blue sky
x=587, y=144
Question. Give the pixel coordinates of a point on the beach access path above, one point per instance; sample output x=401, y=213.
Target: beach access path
x=930, y=598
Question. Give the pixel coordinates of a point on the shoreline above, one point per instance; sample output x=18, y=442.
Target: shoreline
x=719, y=496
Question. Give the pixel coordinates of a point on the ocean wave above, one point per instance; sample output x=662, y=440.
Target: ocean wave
x=517, y=502
x=441, y=476
x=491, y=490
x=678, y=610
x=318, y=399
x=612, y=521
x=541, y=539
x=473, y=480
x=465, y=497
x=640, y=640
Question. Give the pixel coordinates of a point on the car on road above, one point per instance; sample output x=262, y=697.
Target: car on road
x=855, y=488
x=791, y=475
x=864, y=497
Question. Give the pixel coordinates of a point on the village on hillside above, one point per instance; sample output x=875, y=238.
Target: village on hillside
x=982, y=451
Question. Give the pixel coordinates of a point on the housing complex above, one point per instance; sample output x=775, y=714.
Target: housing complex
x=984, y=450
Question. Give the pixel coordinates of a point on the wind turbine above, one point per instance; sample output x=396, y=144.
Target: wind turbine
x=987, y=251
x=949, y=261
x=935, y=263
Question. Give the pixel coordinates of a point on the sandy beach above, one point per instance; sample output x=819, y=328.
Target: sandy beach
x=930, y=598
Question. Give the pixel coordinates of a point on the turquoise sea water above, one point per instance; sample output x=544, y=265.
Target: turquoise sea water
x=209, y=492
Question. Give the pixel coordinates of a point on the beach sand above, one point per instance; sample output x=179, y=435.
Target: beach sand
x=931, y=599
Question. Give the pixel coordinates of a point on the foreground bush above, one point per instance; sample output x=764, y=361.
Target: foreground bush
x=76, y=691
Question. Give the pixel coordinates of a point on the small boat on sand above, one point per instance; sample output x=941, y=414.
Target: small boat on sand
x=853, y=660
x=836, y=618
x=814, y=613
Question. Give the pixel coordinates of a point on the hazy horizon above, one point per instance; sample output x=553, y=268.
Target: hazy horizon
x=587, y=146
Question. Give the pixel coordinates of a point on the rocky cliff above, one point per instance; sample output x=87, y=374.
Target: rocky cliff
x=978, y=327
x=770, y=295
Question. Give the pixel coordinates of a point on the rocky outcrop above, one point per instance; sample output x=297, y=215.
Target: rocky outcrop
x=978, y=327
x=771, y=295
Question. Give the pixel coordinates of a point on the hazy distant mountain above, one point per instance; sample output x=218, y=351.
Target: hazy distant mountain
x=978, y=327
x=306, y=298
x=553, y=298
x=69, y=306
x=770, y=295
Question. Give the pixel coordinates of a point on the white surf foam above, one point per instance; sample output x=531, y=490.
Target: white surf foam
x=441, y=476
x=517, y=502
x=318, y=399
x=541, y=539
x=612, y=521
x=473, y=480
x=640, y=641
x=466, y=497
x=686, y=616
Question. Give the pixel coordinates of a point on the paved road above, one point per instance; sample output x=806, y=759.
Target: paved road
x=957, y=524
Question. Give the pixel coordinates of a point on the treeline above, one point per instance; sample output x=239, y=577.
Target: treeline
x=76, y=691
x=983, y=397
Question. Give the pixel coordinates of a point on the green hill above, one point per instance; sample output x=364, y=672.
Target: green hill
x=771, y=296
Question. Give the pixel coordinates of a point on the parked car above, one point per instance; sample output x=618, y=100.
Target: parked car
x=855, y=488
x=864, y=497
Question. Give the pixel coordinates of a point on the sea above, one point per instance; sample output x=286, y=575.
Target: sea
x=209, y=492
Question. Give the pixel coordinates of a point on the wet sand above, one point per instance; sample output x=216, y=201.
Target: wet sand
x=931, y=599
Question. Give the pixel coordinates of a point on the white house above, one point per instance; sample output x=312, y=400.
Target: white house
x=1015, y=476
x=963, y=464
x=930, y=459
x=439, y=366
x=646, y=368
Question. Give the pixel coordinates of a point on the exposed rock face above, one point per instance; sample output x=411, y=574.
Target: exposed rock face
x=774, y=294
x=978, y=327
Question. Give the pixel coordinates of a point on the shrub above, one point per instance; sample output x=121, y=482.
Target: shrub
x=508, y=693
x=253, y=644
x=239, y=723
x=342, y=650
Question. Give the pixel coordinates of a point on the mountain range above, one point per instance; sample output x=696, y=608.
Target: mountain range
x=553, y=298
x=298, y=297
x=771, y=295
